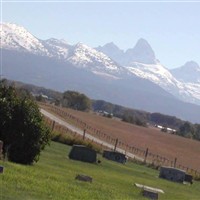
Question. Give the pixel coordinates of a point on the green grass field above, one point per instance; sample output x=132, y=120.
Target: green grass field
x=53, y=177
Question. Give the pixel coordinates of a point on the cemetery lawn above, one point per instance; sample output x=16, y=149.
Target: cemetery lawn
x=52, y=177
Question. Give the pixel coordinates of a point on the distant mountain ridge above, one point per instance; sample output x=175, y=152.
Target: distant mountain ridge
x=189, y=72
x=183, y=82
x=142, y=53
x=142, y=83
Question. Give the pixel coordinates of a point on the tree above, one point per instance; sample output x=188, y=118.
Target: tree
x=75, y=100
x=21, y=126
x=187, y=130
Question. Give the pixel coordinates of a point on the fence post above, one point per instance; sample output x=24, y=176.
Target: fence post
x=126, y=149
x=146, y=154
x=84, y=134
x=53, y=125
x=175, y=160
x=116, y=144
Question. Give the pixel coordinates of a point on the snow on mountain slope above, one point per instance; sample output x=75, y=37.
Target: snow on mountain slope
x=141, y=61
x=87, y=57
x=57, y=48
x=18, y=38
x=113, y=51
x=162, y=77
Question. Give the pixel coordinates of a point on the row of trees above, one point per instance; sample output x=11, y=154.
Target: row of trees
x=78, y=101
x=21, y=125
x=190, y=130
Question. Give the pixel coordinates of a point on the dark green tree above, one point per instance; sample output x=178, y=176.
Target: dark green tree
x=187, y=130
x=76, y=100
x=21, y=126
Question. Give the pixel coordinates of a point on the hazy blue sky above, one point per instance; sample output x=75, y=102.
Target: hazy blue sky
x=172, y=29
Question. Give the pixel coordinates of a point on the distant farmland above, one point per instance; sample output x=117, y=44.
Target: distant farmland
x=187, y=151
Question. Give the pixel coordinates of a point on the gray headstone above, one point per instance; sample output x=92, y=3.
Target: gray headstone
x=83, y=178
x=150, y=194
x=172, y=174
x=83, y=153
x=1, y=169
x=188, y=178
x=1, y=149
x=115, y=156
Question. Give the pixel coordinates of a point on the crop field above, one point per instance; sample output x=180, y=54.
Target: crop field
x=53, y=177
x=187, y=151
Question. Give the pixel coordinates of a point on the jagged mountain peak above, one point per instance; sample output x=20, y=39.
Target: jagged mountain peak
x=111, y=46
x=113, y=51
x=15, y=37
x=12, y=26
x=143, y=43
x=142, y=53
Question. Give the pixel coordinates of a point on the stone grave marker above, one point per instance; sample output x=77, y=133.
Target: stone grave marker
x=115, y=156
x=1, y=149
x=1, y=169
x=149, y=192
x=188, y=178
x=83, y=153
x=172, y=174
x=85, y=178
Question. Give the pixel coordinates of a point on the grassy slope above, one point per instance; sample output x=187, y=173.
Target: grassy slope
x=53, y=178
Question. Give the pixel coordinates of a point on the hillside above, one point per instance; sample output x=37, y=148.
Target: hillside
x=110, y=180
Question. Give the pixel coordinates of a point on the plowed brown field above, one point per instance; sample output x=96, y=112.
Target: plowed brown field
x=187, y=151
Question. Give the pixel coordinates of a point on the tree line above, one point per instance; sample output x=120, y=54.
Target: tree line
x=79, y=101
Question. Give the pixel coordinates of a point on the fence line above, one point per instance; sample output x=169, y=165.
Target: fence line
x=149, y=157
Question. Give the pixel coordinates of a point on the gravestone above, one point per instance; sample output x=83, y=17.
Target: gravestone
x=188, y=178
x=83, y=178
x=83, y=153
x=115, y=156
x=150, y=194
x=172, y=174
x=1, y=149
x=1, y=169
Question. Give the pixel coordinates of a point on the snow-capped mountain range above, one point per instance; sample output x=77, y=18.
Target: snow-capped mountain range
x=183, y=82
x=15, y=37
x=109, y=63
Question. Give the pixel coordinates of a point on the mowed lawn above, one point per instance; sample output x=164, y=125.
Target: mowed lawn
x=53, y=177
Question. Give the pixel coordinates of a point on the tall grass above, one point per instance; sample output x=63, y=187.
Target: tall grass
x=71, y=140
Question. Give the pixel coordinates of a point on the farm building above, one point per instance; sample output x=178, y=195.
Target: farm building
x=83, y=153
x=115, y=156
x=172, y=174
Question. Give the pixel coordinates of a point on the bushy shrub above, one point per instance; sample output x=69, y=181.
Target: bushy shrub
x=21, y=126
